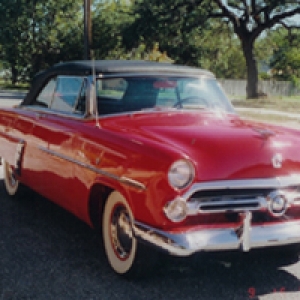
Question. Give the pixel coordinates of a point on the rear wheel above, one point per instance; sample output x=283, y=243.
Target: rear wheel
x=125, y=255
x=11, y=183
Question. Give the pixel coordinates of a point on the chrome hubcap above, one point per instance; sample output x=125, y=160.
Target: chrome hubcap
x=121, y=232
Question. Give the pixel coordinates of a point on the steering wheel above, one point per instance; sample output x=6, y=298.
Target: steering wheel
x=179, y=103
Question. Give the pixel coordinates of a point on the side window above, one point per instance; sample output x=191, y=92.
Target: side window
x=113, y=88
x=168, y=91
x=67, y=94
x=80, y=106
x=110, y=94
x=166, y=97
x=46, y=95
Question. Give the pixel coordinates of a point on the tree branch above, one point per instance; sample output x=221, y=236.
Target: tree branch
x=277, y=19
x=236, y=6
x=226, y=13
x=289, y=27
x=245, y=3
x=253, y=6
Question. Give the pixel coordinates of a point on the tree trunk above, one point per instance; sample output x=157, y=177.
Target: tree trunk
x=252, y=72
x=14, y=74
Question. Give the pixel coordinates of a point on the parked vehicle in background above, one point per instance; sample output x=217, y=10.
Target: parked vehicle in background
x=154, y=155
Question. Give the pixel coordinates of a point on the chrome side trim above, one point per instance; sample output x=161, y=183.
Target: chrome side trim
x=132, y=182
x=122, y=179
x=189, y=242
x=43, y=111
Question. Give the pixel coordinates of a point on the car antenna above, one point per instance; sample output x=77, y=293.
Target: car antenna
x=94, y=90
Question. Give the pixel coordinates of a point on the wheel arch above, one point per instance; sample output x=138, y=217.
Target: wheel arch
x=97, y=199
x=98, y=196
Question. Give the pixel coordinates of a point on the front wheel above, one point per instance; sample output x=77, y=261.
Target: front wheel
x=125, y=255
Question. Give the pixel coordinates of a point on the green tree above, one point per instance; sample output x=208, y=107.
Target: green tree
x=285, y=61
x=249, y=19
x=176, y=29
x=32, y=33
x=11, y=37
x=222, y=53
x=109, y=19
x=179, y=21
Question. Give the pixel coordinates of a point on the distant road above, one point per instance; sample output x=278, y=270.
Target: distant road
x=10, y=98
x=263, y=111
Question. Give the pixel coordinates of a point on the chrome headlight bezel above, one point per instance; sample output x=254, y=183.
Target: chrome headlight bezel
x=176, y=210
x=181, y=174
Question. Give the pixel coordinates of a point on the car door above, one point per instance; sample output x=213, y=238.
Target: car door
x=53, y=134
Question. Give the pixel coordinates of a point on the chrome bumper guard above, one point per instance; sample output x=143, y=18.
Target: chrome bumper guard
x=244, y=237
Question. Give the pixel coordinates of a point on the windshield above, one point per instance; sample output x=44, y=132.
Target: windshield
x=125, y=94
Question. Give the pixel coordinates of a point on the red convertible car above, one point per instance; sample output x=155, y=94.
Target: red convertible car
x=154, y=155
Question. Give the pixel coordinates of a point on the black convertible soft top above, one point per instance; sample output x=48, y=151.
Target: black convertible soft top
x=87, y=67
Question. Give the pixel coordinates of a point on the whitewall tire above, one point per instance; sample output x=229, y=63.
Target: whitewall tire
x=125, y=255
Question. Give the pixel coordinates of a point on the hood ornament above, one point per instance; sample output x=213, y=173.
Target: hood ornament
x=264, y=133
x=277, y=161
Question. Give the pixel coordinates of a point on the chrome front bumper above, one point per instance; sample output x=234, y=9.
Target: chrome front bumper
x=275, y=196
x=245, y=237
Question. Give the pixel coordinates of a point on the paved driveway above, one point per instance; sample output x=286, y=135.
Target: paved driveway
x=10, y=98
x=46, y=253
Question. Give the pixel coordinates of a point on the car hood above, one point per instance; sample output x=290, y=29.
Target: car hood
x=221, y=146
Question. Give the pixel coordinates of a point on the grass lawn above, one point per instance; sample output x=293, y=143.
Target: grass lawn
x=6, y=85
x=283, y=104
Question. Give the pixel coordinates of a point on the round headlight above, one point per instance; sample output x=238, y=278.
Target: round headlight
x=181, y=174
x=176, y=210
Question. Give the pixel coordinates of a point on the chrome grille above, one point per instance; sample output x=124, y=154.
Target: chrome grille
x=244, y=195
x=234, y=203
